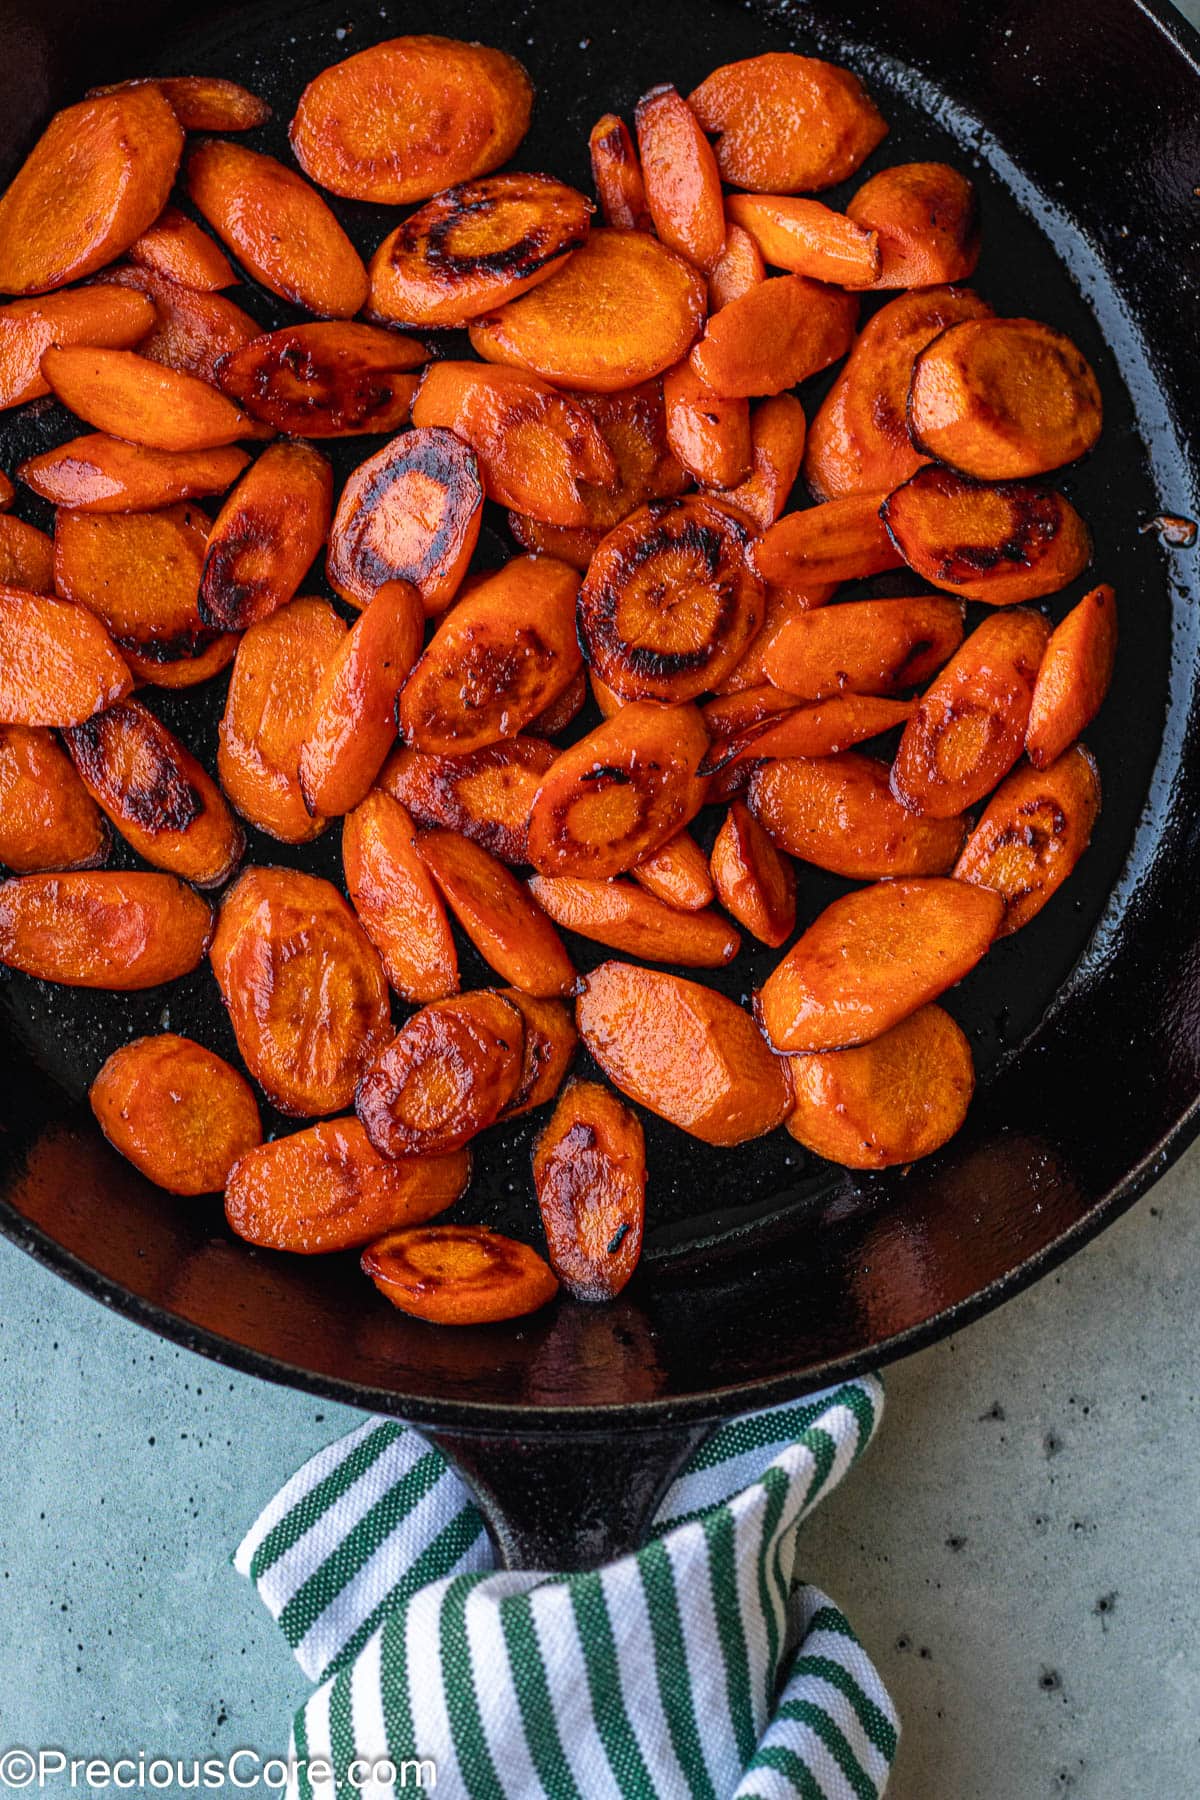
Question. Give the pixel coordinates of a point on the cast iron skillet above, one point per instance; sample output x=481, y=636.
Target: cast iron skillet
x=766, y=1273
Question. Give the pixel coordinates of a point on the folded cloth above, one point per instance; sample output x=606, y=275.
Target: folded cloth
x=698, y=1668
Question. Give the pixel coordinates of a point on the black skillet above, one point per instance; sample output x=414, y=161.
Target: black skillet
x=766, y=1273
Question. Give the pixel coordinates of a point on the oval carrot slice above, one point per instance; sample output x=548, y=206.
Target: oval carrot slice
x=511, y=933
x=682, y=1051
x=486, y=794
x=776, y=335
x=756, y=885
x=1000, y=544
x=681, y=178
x=397, y=900
x=840, y=540
x=627, y=918
x=925, y=216
x=201, y=102
x=352, y=725
x=332, y=379
x=176, y=1111
x=777, y=434
x=709, y=435
x=550, y=1044
x=894, y=1100
x=864, y=646
x=409, y=513
x=103, y=928
x=142, y=401
x=459, y=1274
x=1036, y=827
x=266, y=537
x=107, y=316
x=97, y=177
x=192, y=331
x=787, y=124
x=26, y=557
x=589, y=1172
x=1073, y=677
x=449, y=1074
x=824, y=728
x=779, y=605
x=739, y=268
x=617, y=175
x=48, y=819
x=839, y=813
x=100, y=474
x=570, y=544
x=872, y=958
x=58, y=665
x=808, y=238
x=677, y=873
x=176, y=247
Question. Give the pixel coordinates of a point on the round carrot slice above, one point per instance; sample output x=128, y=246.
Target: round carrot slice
x=176, y=1111
x=410, y=513
x=775, y=335
x=1036, y=827
x=839, y=813
x=48, y=820
x=926, y=218
x=450, y=1072
x=1000, y=544
x=459, y=1274
x=333, y=379
x=589, y=1171
x=787, y=124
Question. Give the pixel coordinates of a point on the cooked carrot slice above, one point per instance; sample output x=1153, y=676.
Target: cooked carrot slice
x=176, y=247
x=926, y=218
x=681, y=178
x=511, y=933
x=450, y=1072
x=1000, y=544
x=670, y=603
x=779, y=605
x=777, y=433
x=627, y=918
x=201, y=102
x=266, y=537
x=328, y=1188
x=397, y=900
x=564, y=711
x=26, y=557
x=352, y=725
x=550, y=1044
x=1074, y=676
x=142, y=401
x=100, y=474
x=755, y=883
x=872, y=958
x=864, y=646
x=677, y=873
x=709, y=435
x=176, y=1111
x=633, y=426
x=589, y=1172
x=459, y=1274
x=1002, y=399
x=486, y=794
x=48, y=819
x=112, y=317
x=1036, y=827
x=839, y=813
x=682, y=1051
x=277, y=673
x=607, y=703
x=858, y=442
x=824, y=728
x=97, y=177
x=8, y=492
x=808, y=238
x=622, y=309
x=570, y=544
x=193, y=331
x=619, y=793
x=157, y=795
x=405, y=118
x=839, y=540
x=617, y=175
x=103, y=928
x=900, y=1097
x=303, y=986
x=496, y=661
x=739, y=711
x=333, y=379
x=278, y=227
x=777, y=334
x=58, y=664
x=739, y=268
x=787, y=124
x=411, y=512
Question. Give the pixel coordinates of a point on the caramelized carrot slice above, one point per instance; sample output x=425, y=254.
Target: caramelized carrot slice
x=589, y=1172
x=459, y=1274
x=633, y=426
x=755, y=883
x=550, y=1044
x=511, y=933
x=864, y=646
x=103, y=928
x=48, y=819
x=739, y=711
x=808, y=238
x=176, y=247
x=409, y=513
x=58, y=665
x=682, y=181
x=1036, y=827
x=278, y=227
x=709, y=435
x=840, y=540
x=332, y=379
x=739, y=268
x=97, y=177
x=682, y=1051
x=777, y=433
x=397, y=900
x=787, y=124
x=627, y=918
x=100, y=474
x=26, y=557
x=142, y=401
x=839, y=813
x=1000, y=544
x=111, y=317
x=824, y=728
x=777, y=334
x=352, y=725
x=449, y=1074
x=621, y=310
x=872, y=958
x=617, y=175
x=898, y=1098
x=607, y=703
x=201, y=102
x=176, y=1111
x=266, y=537
x=410, y=116
x=1073, y=677
x=8, y=492
x=677, y=874
x=926, y=218
x=570, y=544
x=564, y=711
x=486, y=794
x=193, y=331
x=779, y=605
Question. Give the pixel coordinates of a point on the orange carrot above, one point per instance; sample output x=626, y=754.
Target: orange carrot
x=550, y=1044
x=58, y=665
x=192, y=331
x=143, y=401
x=99, y=474
x=409, y=513
x=808, y=238
x=106, y=316
x=201, y=102
x=352, y=725
x=682, y=182
x=755, y=883
x=397, y=900
x=777, y=334
x=266, y=537
x=926, y=219
x=617, y=174
x=507, y=928
x=1036, y=827
x=448, y=1074
x=486, y=794
x=1073, y=677
x=589, y=1171
x=739, y=268
x=26, y=557
x=777, y=432
x=176, y=247
x=677, y=874
x=864, y=646
x=626, y=918
x=787, y=124
x=838, y=813
x=459, y=1274
x=333, y=379
x=48, y=819
x=710, y=436
x=840, y=540
x=178, y=1112
x=121, y=929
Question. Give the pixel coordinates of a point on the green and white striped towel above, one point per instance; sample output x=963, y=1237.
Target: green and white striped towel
x=699, y=1668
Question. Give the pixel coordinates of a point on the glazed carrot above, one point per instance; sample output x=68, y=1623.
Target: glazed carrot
x=840, y=540
x=332, y=379
x=838, y=813
x=633, y=427
x=677, y=874
x=277, y=674
x=508, y=929
x=266, y=537
x=1036, y=827
x=1000, y=544
x=757, y=886
x=157, y=795
x=449, y=1073
x=732, y=713
x=48, y=819
x=459, y=1274
x=617, y=175
x=550, y=1044
x=709, y=435
x=201, y=102
x=100, y=474
x=278, y=227
x=574, y=544
x=104, y=928
x=620, y=793
x=58, y=665
x=683, y=1052
x=176, y=247
x=397, y=900
x=898, y=1098
x=739, y=268
x=681, y=178
x=97, y=177
x=864, y=646
x=142, y=401
x=775, y=335
x=777, y=433
x=285, y=943
x=780, y=604
x=563, y=711
x=352, y=725
x=926, y=218
x=411, y=513
x=787, y=124
x=607, y=703
x=1073, y=677
x=486, y=794
x=111, y=317
x=1002, y=399
x=8, y=492
x=670, y=603
x=872, y=958
x=808, y=238
x=496, y=661
x=26, y=557
x=626, y=918
x=408, y=117
x=824, y=728
x=193, y=331
x=589, y=1173
x=623, y=309
x=176, y=1111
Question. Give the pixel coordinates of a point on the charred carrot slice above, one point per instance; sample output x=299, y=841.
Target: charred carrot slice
x=100, y=474
x=777, y=434
x=26, y=557
x=459, y=1274
x=58, y=664
x=677, y=874
x=633, y=426
x=333, y=379
x=682, y=1051
x=775, y=335
x=409, y=513
x=620, y=793
x=1036, y=827
x=328, y=1189
x=872, y=958
x=757, y=886
x=570, y=544
x=142, y=401
x=925, y=216
x=397, y=900
x=508, y=929
x=779, y=605
x=839, y=813
x=550, y=1044
x=449, y=1074
x=266, y=537
x=176, y=1111
x=202, y=102
x=111, y=317
x=709, y=435
x=1073, y=677
x=564, y=710
x=627, y=918
x=864, y=646
x=739, y=268
x=176, y=247
x=682, y=181
x=787, y=124
x=278, y=227
x=486, y=794
x=48, y=819
x=1002, y=399
x=103, y=928
x=97, y=177
x=808, y=238
x=352, y=725
x=824, y=728
x=589, y=1172
x=617, y=175
x=840, y=540
x=192, y=331
x=157, y=795
x=285, y=942
x=969, y=727
x=891, y=1101
x=408, y=117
